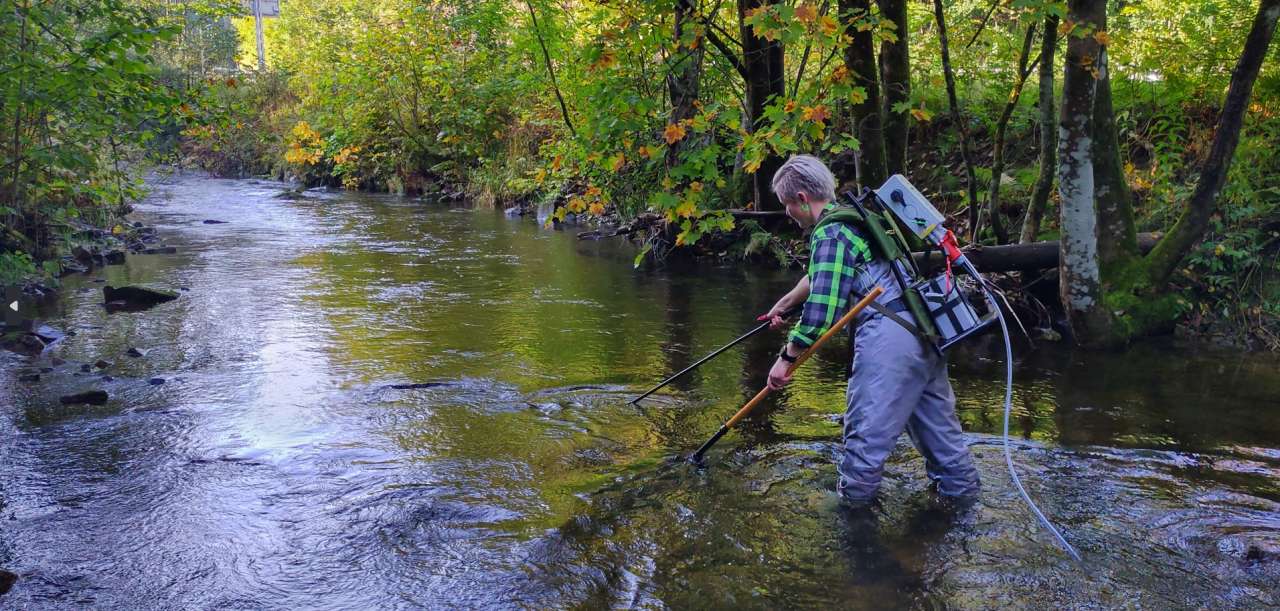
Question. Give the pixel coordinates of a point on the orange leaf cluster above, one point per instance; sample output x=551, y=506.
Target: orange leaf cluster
x=673, y=133
x=806, y=13
x=817, y=114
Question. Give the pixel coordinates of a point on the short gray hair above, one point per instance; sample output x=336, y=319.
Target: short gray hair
x=804, y=173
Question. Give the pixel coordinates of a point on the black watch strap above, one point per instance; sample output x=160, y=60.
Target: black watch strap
x=782, y=354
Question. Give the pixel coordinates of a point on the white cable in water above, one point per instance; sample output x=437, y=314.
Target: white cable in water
x=1008, y=407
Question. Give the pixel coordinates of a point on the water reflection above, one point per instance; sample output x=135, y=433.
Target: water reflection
x=276, y=466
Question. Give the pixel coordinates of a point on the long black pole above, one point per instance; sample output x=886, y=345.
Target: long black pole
x=696, y=457
x=762, y=327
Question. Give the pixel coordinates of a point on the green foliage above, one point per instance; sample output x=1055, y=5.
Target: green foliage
x=79, y=97
x=15, y=268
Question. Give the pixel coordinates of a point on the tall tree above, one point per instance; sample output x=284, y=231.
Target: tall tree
x=1002, y=125
x=1193, y=223
x=684, y=73
x=895, y=74
x=1048, y=133
x=1080, y=282
x=551, y=70
x=763, y=62
x=1117, y=235
x=962, y=128
x=860, y=60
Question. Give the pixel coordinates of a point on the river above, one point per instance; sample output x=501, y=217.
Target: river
x=275, y=467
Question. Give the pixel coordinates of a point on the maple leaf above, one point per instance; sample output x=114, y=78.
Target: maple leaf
x=790, y=106
x=817, y=114
x=806, y=13
x=686, y=209
x=673, y=133
x=828, y=25
x=616, y=162
x=596, y=208
x=921, y=114
x=607, y=59
x=1102, y=37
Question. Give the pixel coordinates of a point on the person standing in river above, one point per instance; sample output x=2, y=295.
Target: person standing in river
x=896, y=381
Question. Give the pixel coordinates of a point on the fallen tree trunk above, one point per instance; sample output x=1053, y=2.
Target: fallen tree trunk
x=1016, y=257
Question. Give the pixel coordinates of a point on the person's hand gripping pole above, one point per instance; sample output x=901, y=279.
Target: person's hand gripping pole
x=764, y=392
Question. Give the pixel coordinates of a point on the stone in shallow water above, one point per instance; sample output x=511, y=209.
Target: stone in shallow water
x=155, y=381
x=135, y=297
x=92, y=397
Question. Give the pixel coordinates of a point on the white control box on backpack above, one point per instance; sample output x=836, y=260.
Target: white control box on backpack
x=912, y=209
x=953, y=316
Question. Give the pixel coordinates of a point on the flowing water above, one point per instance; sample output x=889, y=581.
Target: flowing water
x=276, y=467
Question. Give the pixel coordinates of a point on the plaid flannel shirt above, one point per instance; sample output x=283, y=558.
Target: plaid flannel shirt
x=837, y=256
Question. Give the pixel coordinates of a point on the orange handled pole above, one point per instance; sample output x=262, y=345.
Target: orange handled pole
x=746, y=409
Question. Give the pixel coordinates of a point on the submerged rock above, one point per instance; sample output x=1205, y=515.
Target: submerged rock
x=7, y=580
x=101, y=364
x=160, y=250
x=71, y=266
x=29, y=377
x=155, y=381
x=114, y=257
x=92, y=397
x=27, y=344
x=214, y=222
x=136, y=353
x=417, y=385
x=48, y=334
x=135, y=297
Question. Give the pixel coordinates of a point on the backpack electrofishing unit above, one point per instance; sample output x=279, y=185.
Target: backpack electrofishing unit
x=942, y=312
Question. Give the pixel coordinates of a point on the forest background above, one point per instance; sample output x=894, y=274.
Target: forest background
x=1087, y=122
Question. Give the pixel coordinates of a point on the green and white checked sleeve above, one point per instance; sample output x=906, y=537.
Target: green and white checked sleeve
x=837, y=256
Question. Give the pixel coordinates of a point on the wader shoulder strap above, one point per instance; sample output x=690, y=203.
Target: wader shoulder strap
x=886, y=247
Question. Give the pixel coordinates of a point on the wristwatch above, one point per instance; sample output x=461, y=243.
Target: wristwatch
x=782, y=354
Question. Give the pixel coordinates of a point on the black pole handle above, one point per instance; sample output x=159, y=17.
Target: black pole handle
x=761, y=327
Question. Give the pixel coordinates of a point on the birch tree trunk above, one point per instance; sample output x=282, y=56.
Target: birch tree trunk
x=1117, y=236
x=1080, y=282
